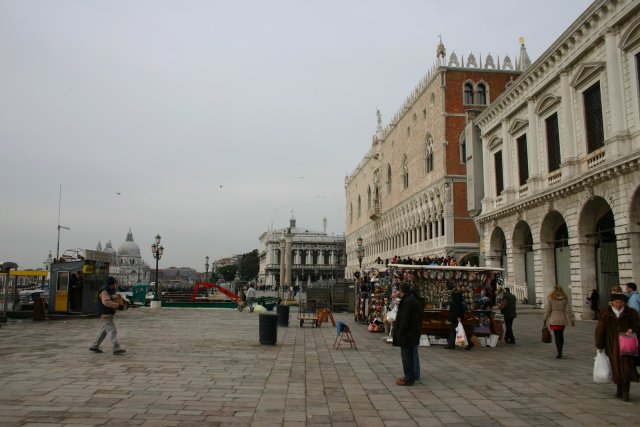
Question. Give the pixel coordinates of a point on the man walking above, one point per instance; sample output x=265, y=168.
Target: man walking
x=406, y=334
x=106, y=311
x=508, y=308
x=251, y=296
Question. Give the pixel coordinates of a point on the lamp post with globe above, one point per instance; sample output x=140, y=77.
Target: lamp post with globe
x=157, y=249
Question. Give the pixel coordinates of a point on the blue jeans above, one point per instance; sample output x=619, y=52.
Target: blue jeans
x=410, y=363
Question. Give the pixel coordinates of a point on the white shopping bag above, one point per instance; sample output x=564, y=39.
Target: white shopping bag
x=424, y=341
x=461, y=337
x=601, y=368
x=493, y=340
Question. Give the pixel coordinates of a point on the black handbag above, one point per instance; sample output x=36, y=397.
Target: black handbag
x=546, y=334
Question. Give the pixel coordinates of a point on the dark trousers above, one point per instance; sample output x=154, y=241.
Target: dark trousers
x=452, y=334
x=408, y=365
x=558, y=334
x=508, y=336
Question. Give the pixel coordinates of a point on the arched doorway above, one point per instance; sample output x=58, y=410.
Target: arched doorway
x=523, y=259
x=634, y=235
x=599, y=250
x=563, y=258
x=498, y=250
x=555, y=254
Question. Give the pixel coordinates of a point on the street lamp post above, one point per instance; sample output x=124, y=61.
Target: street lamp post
x=157, y=250
x=206, y=268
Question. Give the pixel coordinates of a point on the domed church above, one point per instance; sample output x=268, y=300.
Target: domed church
x=127, y=264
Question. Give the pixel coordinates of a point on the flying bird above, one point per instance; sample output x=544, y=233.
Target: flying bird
x=118, y=194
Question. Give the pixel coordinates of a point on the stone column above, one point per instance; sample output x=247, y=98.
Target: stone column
x=282, y=262
x=568, y=122
x=613, y=78
x=489, y=191
x=507, y=158
x=287, y=257
x=533, y=153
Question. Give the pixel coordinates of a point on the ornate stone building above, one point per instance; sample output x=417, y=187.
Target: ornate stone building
x=126, y=264
x=554, y=163
x=407, y=197
x=313, y=255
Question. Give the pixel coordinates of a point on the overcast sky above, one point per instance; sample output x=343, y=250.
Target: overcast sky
x=213, y=119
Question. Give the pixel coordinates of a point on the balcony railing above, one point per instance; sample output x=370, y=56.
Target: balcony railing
x=554, y=178
x=523, y=191
x=596, y=158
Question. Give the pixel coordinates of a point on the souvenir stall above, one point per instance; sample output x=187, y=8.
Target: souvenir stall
x=433, y=284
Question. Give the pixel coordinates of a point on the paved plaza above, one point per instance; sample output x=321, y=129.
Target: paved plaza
x=199, y=367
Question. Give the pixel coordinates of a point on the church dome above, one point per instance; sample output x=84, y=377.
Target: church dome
x=129, y=247
x=109, y=249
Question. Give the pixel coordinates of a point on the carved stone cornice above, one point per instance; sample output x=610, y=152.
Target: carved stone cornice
x=577, y=185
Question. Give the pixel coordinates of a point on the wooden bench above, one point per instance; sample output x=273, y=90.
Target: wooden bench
x=317, y=318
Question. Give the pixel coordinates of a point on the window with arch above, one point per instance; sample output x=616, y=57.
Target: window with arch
x=388, y=179
x=553, y=142
x=351, y=213
x=359, y=206
x=369, y=197
x=405, y=172
x=593, y=117
x=428, y=159
x=468, y=93
x=523, y=159
x=497, y=164
x=481, y=94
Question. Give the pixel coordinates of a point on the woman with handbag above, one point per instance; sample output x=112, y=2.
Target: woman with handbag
x=616, y=320
x=557, y=314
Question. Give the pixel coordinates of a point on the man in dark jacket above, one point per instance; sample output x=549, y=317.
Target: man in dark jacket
x=107, y=309
x=508, y=309
x=406, y=334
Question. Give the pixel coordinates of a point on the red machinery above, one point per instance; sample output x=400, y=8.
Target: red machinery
x=209, y=285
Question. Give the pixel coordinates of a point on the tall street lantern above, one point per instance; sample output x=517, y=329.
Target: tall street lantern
x=360, y=252
x=157, y=250
x=206, y=268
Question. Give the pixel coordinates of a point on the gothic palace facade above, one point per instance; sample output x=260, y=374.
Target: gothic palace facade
x=407, y=197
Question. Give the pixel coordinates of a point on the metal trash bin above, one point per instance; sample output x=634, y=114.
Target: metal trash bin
x=283, y=315
x=268, y=328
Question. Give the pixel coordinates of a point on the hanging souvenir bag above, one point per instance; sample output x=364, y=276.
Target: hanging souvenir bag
x=628, y=344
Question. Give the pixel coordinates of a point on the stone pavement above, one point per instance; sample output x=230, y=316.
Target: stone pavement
x=204, y=367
